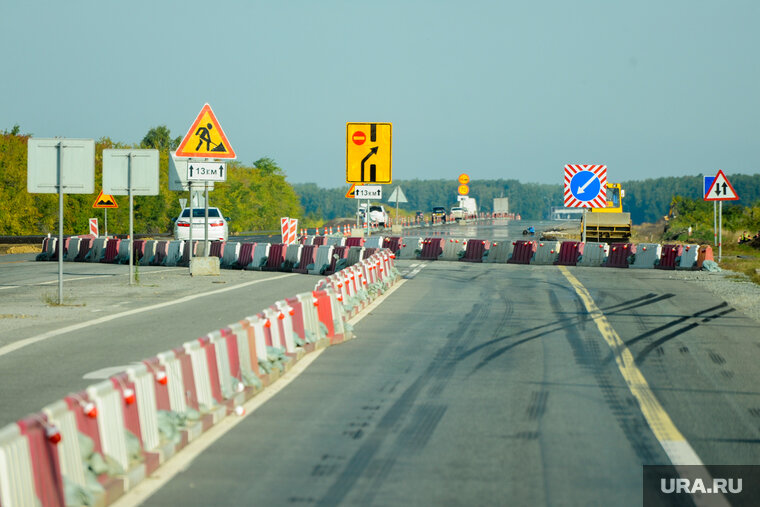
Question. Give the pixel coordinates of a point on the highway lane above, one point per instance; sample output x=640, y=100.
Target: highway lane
x=493, y=385
x=114, y=324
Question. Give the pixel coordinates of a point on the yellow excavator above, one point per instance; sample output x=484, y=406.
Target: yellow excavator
x=609, y=224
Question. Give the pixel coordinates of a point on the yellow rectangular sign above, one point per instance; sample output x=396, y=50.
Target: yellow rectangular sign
x=368, y=153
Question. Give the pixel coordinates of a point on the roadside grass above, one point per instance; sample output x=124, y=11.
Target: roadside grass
x=742, y=259
x=51, y=299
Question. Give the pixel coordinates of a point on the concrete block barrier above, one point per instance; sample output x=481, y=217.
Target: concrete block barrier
x=275, y=257
x=216, y=249
x=547, y=252
x=594, y=254
x=499, y=252
x=324, y=258
x=148, y=253
x=392, y=243
x=453, y=249
x=245, y=255
x=260, y=256
x=72, y=251
x=689, y=257
x=174, y=252
x=160, y=254
x=648, y=256
x=620, y=255
x=123, y=254
x=338, y=260
x=230, y=255
x=207, y=390
x=355, y=254
x=17, y=484
x=569, y=253
x=705, y=254
x=369, y=252
x=111, y=253
x=409, y=248
x=475, y=250
x=307, y=259
x=138, y=251
x=354, y=241
x=47, y=249
x=522, y=252
x=432, y=249
x=335, y=240
x=43, y=438
x=97, y=250
x=320, y=240
x=292, y=257
x=184, y=261
x=84, y=249
x=374, y=242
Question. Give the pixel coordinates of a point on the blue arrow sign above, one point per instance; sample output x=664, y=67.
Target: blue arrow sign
x=585, y=186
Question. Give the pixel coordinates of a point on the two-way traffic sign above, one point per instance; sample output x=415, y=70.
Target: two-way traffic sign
x=368, y=153
x=721, y=189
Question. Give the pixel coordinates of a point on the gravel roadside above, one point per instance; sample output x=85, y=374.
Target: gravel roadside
x=734, y=288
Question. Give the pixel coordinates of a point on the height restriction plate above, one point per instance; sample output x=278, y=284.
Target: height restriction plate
x=368, y=153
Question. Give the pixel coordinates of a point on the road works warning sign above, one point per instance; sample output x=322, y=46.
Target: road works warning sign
x=205, y=139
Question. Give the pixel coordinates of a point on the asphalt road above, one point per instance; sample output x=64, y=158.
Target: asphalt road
x=470, y=384
x=492, y=385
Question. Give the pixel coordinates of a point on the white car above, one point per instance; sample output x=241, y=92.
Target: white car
x=217, y=224
x=457, y=213
x=378, y=214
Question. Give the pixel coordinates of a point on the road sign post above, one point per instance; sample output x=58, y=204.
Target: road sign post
x=720, y=190
x=62, y=166
x=130, y=172
x=585, y=187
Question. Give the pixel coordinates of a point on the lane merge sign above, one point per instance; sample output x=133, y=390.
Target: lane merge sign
x=368, y=153
x=585, y=186
x=721, y=189
x=205, y=139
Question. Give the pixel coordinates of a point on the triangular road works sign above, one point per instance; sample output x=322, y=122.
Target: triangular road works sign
x=205, y=139
x=104, y=201
x=397, y=195
x=351, y=194
x=721, y=189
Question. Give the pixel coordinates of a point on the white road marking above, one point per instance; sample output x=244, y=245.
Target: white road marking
x=103, y=276
x=415, y=272
x=9, y=287
x=12, y=347
x=182, y=460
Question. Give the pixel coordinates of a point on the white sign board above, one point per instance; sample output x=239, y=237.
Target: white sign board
x=368, y=192
x=77, y=160
x=206, y=171
x=397, y=195
x=141, y=166
x=178, y=174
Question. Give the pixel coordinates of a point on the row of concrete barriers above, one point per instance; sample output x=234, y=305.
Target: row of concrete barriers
x=314, y=255
x=568, y=253
x=92, y=446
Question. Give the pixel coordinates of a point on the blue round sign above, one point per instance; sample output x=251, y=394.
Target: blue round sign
x=585, y=186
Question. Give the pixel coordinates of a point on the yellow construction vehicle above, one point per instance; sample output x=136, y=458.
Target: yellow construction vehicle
x=609, y=224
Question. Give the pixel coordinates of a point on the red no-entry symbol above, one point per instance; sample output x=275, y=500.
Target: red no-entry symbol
x=359, y=137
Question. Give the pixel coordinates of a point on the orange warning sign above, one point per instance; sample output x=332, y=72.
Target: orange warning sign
x=205, y=139
x=104, y=201
x=351, y=194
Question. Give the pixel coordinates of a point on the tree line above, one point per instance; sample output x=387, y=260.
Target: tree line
x=254, y=196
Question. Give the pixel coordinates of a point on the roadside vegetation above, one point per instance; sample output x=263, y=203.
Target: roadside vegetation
x=741, y=232
x=254, y=196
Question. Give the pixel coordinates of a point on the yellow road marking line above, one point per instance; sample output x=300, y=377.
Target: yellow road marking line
x=662, y=426
x=679, y=451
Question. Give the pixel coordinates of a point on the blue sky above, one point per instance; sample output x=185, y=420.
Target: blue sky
x=494, y=89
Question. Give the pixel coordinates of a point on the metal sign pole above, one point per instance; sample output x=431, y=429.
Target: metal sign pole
x=190, y=188
x=105, y=211
x=720, y=231
x=205, y=203
x=131, y=216
x=358, y=215
x=60, y=223
x=715, y=223
x=583, y=233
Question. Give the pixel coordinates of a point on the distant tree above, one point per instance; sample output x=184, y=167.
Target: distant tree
x=160, y=139
x=14, y=131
